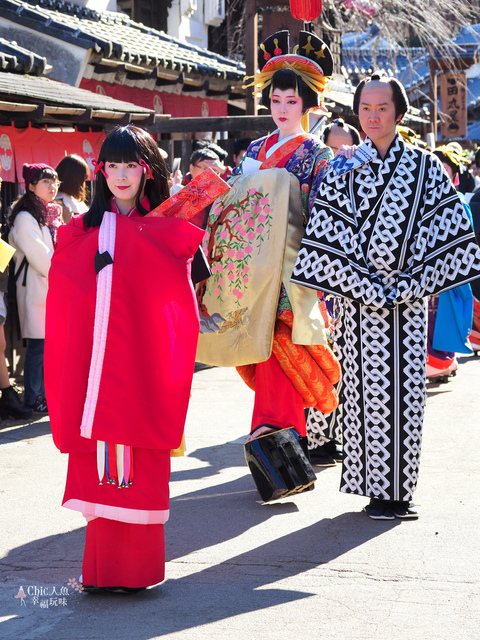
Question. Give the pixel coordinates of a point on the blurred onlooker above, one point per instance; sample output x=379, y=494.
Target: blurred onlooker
x=340, y=133
x=33, y=221
x=207, y=154
x=474, y=201
x=201, y=160
x=73, y=172
x=10, y=403
x=464, y=181
x=475, y=169
x=239, y=148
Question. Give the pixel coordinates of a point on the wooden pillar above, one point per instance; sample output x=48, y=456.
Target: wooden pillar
x=251, y=47
x=432, y=66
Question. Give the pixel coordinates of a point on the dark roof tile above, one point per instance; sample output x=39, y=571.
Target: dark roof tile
x=115, y=36
x=20, y=60
x=14, y=87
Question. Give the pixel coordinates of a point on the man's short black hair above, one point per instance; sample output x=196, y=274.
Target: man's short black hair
x=241, y=145
x=399, y=95
x=203, y=154
x=340, y=122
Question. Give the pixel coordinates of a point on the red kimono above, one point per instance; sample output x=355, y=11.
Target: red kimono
x=119, y=358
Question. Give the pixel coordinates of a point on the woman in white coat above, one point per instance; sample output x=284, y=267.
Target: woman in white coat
x=33, y=221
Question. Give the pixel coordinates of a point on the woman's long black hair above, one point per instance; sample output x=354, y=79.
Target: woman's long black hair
x=30, y=202
x=129, y=144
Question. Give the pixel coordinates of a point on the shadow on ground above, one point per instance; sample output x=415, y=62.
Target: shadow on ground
x=207, y=592
x=16, y=430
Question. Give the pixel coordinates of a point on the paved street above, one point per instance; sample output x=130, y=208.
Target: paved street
x=309, y=567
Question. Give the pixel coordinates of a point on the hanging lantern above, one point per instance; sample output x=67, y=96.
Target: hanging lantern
x=306, y=10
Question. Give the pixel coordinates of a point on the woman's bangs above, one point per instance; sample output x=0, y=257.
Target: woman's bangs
x=51, y=174
x=121, y=146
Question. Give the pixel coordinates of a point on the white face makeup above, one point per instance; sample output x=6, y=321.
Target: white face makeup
x=287, y=111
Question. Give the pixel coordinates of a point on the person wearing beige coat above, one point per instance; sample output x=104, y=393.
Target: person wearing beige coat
x=35, y=241
x=33, y=222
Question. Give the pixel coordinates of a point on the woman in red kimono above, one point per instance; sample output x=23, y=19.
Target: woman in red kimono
x=122, y=329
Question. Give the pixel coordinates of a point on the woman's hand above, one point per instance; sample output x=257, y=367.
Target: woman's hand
x=177, y=177
x=346, y=150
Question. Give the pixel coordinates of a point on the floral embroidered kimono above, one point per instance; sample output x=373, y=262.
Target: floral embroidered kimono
x=232, y=253
x=385, y=235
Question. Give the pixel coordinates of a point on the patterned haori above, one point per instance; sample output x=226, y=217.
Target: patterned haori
x=384, y=235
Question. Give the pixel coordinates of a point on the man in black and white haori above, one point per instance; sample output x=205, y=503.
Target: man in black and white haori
x=387, y=229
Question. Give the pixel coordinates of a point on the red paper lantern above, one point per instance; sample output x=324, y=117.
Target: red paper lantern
x=307, y=10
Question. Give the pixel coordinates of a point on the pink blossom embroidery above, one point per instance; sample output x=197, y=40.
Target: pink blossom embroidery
x=245, y=225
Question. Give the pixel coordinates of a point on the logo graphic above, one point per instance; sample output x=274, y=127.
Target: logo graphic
x=48, y=596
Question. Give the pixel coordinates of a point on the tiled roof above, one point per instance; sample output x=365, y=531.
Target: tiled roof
x=408, y=65
x=115, y=36
x=469, y=35
x=27, y=98
x=19, y=60
x=473, y=92
x=52, y=92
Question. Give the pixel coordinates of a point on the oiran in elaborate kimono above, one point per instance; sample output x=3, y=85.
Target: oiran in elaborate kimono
x=251, y=316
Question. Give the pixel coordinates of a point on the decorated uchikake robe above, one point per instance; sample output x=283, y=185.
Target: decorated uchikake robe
x=251, y=317
x=384, y=234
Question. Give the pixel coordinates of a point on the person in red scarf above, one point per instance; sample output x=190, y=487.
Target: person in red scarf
x=121, y=336
x=33, y=221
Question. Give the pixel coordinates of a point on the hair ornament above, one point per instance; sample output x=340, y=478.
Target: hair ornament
x=308, y=46
x=146, y=167
x=266, y=55
x=273, y=55
x=306, y=69
x=99, y=167
x=410, y=137
x=452, y=155
x=277, y=51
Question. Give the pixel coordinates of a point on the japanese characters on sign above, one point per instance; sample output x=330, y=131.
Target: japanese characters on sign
x=453, y=104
